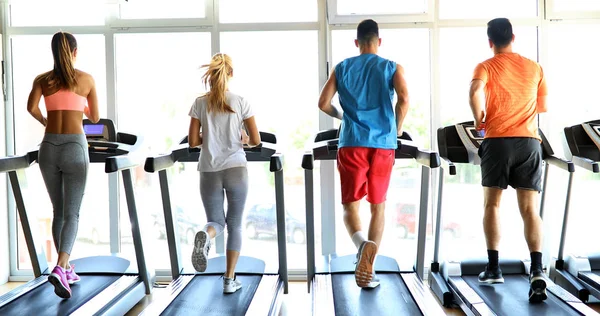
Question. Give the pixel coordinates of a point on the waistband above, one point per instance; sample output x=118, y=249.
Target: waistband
x=65, y=138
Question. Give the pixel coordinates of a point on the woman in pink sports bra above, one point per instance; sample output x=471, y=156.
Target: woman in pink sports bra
x=63, y=155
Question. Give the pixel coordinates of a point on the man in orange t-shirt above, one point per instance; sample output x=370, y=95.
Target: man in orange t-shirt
x=513, y=91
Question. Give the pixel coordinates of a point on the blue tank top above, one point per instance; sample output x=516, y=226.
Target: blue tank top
x=366, y=91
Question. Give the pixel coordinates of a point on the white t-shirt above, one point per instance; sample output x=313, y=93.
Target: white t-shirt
x=221, y=133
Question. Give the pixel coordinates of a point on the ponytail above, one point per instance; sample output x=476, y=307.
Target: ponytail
x=63, y=75
x=217, y=77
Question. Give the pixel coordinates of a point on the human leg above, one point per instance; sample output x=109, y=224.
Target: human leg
x=236, y=187
x=212, y=195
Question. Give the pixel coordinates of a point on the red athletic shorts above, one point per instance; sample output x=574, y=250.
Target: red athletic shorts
x=365, y=171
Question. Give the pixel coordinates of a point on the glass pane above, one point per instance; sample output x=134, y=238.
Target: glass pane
x=403, y=194
x=54, y=13
x=359, y=7
x=571, y=67
x=163, y=123
x=243, y=11
x=478, y=9
x=576, y=5
x=456, y=70
x=158, y=9
x=293, y=92
x=29, y=133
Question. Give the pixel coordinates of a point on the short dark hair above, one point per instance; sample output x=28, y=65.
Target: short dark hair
x=367, y=31
x=500, y=32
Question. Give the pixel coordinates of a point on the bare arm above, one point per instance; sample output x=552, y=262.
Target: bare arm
x=194, y=139
x=402, y=104
x=327, y=93
x=254, y=135
x=91, y=110
x=477, y=102
x=33, y=102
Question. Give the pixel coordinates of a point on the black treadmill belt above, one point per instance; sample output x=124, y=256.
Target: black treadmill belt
x=204, y=296
x=43, y=301
x=391, y=297
x=511, y=297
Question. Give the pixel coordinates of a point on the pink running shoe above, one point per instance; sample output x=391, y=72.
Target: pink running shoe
x=58, y=278
x=72, y=277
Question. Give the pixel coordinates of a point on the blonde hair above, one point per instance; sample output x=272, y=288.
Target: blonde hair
x=217, y=77
x=63, y=75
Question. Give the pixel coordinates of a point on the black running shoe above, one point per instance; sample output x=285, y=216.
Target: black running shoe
x=491, y=276
x=537, y=290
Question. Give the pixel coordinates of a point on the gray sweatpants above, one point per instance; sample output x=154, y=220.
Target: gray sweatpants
x=64, y=161
x=232, y=182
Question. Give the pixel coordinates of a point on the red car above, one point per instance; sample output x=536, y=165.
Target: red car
x=406, y=222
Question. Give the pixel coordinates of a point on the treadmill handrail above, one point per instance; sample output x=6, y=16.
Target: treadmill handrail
x=448, y=165
x=560, y=163
x=586, y=163
x=322, y=151
x=12, y=163
x=130, y=159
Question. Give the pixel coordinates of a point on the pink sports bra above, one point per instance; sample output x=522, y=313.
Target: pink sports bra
x=65, y=100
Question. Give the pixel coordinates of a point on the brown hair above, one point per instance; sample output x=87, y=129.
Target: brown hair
x=217, y=76
x=63, y=75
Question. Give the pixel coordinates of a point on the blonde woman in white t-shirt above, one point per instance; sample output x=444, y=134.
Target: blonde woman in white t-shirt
x=216, y=125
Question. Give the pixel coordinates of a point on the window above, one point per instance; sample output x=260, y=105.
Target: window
x=403, y=193
x=571, y=67
x=158, y=79
x=456, y=70
x=575, y=5
x=156, y=9
x=31, y=55
x=236, y=11
x=358, y=7
x=487, y=9
x=51, y=13
x=281, y=82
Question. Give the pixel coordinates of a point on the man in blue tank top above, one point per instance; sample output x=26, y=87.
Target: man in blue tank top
x=368, y=138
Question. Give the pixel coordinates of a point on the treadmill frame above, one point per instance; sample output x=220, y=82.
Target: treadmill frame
x=265, y=152
x=319, y=276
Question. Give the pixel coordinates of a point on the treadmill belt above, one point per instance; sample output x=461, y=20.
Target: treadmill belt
x=43, y=301
x=391, y=297
x=511, y=297
x=204, y=296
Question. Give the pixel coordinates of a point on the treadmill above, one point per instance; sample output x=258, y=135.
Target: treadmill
x=457, y=282
x=334, y=290
x=110, y=285
x=196, y=293
x=580, y=275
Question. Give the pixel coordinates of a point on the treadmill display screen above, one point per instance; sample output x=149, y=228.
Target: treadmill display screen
x=93, y=129
x=477, y=134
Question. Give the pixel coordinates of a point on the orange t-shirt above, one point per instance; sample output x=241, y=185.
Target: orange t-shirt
x=512, y=85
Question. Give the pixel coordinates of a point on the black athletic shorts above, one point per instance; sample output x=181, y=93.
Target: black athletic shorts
x=514, y=161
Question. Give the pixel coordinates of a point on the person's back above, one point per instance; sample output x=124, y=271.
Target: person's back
x=63, y=155
x=368, y=138
x=513, y=84
x=512, y=90
x=222, y=146
x=366, y=90
x=216, y=124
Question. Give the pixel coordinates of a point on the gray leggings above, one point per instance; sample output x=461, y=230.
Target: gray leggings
x=232, y=182
x=64, y=161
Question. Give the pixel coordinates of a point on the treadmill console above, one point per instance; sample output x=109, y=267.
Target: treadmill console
x=95, y=132
x=471, y=139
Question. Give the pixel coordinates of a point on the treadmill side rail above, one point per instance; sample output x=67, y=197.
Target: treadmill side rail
x=103, y=299
x=422, y=295
x=322, y=296
x=571, y=300
x=269, y=288
x=467, y=298
x=22, y=290
x=173, y=290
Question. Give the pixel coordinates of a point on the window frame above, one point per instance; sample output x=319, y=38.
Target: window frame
x=334, y=18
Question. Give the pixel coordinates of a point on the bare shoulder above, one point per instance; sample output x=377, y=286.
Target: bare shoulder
x=84, y=77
